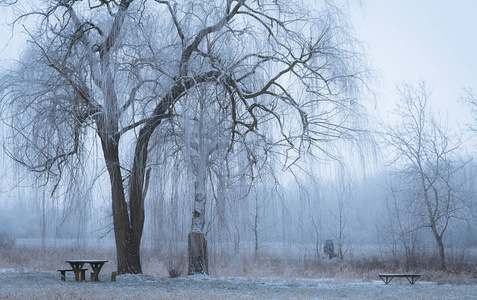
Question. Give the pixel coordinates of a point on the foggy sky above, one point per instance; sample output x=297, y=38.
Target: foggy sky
x=429, y=40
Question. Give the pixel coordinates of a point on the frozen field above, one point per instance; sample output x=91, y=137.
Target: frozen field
x=16, y=284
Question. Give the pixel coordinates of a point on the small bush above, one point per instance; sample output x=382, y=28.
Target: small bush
x=174, y=273
x=175, y=264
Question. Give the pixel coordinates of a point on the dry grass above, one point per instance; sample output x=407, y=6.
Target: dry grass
x=461, y=270
x=50, y=259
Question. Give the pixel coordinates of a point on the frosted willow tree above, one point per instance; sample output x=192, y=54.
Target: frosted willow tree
x=113, y=71
x=200, y=135
x=274, y=63
x=76, y=82
x=429, y=165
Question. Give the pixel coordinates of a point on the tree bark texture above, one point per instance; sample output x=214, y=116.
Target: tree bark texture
x=198, y=263
x=442, y=256
x=197, y=248
x=127, y=221
x=127, y=237
x=440, y=247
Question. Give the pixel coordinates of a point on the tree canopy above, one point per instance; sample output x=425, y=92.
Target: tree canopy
x=113, y=71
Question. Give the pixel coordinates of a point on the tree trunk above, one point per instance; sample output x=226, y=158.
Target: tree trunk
x=197, y=248
x=440, y=244
x=198, y=263
x=432, y=219
x=341, y=233
x=127, y=246
x=255, y=233
x=442, y=257
x=43, y=223
x=255, y=228
x=137, y=193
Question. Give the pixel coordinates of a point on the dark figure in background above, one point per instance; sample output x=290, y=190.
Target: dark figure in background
x=329, y=249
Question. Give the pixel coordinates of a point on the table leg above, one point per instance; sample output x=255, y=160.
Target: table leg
x=63, y=275
x=96, y=269
x=412, y=279
x=77, y=269
x=386, y=279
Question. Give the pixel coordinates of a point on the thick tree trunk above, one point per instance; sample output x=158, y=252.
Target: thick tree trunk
x=137, y=192
x=126, y=232
x=198, y=263
x=197, y=248
x=127, y=245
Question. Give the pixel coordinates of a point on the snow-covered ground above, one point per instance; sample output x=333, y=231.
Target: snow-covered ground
x=16, y=284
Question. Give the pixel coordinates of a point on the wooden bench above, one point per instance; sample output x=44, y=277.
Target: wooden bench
x=412, y=278
x=63, y=273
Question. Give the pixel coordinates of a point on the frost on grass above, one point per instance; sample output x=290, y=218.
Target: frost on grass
x=16, y=284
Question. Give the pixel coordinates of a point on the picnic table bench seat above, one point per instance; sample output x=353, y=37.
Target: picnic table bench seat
x=412, y=278
x=63, y=273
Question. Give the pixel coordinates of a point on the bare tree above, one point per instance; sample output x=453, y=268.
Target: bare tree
x=343, y=194
x=400, y=228
x=258, y=207
x=115, y=70
x=427, y=156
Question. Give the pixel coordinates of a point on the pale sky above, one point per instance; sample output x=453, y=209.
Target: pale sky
x=431, y=40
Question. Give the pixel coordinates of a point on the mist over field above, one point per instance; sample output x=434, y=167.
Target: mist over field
x=257, y=146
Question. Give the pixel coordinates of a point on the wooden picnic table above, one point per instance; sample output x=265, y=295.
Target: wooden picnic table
x=412, y=278
x=77, y=265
